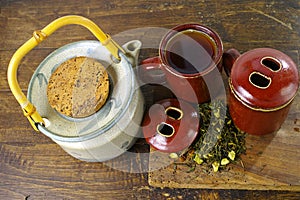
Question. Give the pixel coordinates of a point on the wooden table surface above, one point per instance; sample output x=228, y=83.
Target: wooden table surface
x=32, y=166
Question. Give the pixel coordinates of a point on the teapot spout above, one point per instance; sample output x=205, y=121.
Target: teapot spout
x=132, y=50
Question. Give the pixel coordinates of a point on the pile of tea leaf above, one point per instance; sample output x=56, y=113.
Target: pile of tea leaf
x=219, y=142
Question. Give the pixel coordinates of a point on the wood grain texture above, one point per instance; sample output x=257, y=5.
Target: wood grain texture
x=271, y=162
x=32, y=166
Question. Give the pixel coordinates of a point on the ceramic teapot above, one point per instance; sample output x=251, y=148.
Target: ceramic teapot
x=107, y=133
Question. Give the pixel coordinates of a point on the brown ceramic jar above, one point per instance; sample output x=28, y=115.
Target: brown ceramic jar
x=263, y=82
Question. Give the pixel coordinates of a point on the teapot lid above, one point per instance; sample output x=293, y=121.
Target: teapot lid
x=264, y=78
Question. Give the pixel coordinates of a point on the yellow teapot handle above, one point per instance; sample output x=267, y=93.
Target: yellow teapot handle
x=38, y=36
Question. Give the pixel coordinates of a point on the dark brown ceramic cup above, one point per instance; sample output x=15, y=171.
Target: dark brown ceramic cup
x=190, y=58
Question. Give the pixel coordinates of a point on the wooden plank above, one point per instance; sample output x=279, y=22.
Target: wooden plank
x=26, y=68
x=45, y=169
x=14, y=127
x=271, y=162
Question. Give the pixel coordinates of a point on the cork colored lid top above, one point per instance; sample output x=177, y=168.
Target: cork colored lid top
x=264, y=78
x=79, y=87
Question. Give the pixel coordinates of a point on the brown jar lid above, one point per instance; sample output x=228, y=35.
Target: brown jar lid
x=171, y=125
x=264, y=78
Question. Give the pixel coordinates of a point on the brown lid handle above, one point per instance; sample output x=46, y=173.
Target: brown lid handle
x=229, y=57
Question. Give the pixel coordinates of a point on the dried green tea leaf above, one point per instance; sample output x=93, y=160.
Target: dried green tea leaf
x=231, y=155
x=173, y=155
x=198, y=160
x=225, y=161
x=218, y=138
x=216, y=166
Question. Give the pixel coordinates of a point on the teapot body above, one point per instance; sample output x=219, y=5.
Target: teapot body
x=113, y=129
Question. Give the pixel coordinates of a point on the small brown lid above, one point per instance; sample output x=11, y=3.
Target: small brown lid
x=171, y=125
x=264, y=78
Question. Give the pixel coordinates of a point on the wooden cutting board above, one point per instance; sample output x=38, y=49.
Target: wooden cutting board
x=272, y=162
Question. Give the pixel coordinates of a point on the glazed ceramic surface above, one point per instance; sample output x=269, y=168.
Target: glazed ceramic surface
x=171, y=125
x=198, y=83
x=263, y=83
x=114, y=128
